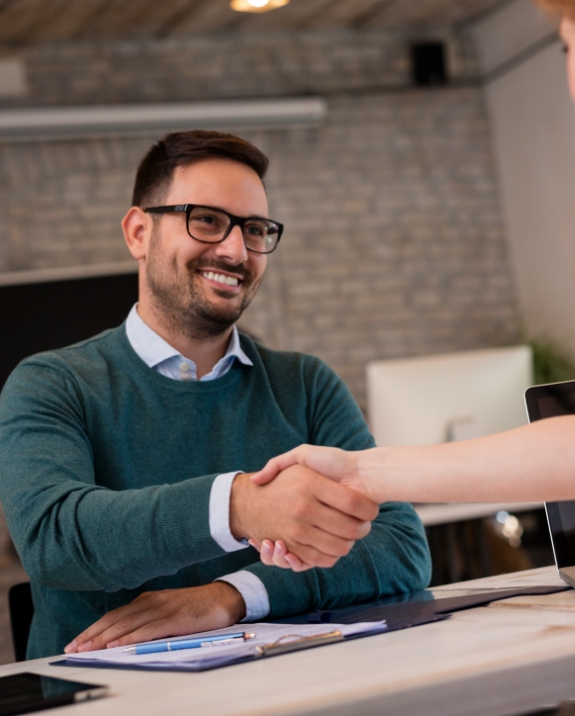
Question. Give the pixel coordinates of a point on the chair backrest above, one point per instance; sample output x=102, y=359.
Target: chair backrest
x=21, y=612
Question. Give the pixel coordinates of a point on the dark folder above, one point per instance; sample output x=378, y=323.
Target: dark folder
x=403, y=610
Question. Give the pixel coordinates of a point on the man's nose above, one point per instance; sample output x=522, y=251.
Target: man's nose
x=233, y=247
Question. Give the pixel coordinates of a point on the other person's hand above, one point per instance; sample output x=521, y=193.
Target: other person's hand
x=317, y=519
x=339, y=465
x=161, y=614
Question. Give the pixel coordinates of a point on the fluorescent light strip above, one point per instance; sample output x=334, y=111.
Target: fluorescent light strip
x=64, y=122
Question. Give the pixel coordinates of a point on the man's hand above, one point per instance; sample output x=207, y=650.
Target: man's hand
x=166, y=613
x=336, y=464
x=317, y=519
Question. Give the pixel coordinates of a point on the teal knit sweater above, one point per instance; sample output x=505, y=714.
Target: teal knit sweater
x=106, y=469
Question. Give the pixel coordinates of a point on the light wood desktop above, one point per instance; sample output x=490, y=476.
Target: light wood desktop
x=507, y=658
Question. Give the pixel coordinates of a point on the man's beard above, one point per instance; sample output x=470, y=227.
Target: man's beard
x=181, y=302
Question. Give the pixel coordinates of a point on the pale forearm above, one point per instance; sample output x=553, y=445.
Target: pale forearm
x=532, y=463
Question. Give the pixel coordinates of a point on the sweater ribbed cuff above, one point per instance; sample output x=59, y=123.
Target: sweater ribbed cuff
x=289, y=593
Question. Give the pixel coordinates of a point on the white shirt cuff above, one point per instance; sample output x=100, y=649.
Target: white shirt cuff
x=254, y=594
x=220, y=495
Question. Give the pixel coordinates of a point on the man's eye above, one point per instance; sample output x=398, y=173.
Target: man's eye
x=255, y=230
x=565, y=48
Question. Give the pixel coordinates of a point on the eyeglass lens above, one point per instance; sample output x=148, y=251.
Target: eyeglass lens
x=211, y=225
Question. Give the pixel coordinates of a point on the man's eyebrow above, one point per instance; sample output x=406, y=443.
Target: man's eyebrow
x=250, y=216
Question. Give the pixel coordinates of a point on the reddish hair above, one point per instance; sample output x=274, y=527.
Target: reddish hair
x=561, y=8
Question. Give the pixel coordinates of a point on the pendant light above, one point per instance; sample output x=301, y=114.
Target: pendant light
x=256, y=5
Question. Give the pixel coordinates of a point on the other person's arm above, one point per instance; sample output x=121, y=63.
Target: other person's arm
x=532, y=463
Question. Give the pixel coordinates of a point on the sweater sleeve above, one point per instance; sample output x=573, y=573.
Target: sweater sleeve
x=70, y=532
x=394, y=557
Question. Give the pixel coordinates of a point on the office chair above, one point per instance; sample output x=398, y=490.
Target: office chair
x=21, y=612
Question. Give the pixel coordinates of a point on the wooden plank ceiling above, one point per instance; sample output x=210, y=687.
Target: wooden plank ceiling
x=33, y=21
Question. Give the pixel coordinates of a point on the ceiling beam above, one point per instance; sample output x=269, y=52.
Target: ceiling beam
x=186, y=12
x=364, y=18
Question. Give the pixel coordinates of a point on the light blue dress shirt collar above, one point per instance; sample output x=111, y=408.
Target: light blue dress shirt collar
x=165, y=359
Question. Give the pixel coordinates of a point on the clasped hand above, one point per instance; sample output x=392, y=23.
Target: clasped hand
x=338, y=465
x=318, y=520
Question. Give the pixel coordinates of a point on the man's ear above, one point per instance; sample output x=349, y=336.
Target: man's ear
x=137, y=227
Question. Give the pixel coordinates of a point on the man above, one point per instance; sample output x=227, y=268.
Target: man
x=125, y=459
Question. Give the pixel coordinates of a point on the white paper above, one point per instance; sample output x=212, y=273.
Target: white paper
x=218, y=655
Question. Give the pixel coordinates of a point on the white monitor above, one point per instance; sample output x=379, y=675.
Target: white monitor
x=431, y=399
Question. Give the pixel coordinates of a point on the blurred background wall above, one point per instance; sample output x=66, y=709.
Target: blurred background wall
x=395, y=242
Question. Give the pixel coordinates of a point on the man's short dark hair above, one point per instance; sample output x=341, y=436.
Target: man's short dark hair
x=182, y=149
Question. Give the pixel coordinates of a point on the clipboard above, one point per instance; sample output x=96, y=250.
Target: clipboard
x=268, y=650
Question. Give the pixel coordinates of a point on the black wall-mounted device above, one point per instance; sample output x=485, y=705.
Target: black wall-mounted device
x=428, y=65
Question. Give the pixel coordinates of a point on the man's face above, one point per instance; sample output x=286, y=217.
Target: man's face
x=202, y=289
x=567, y=32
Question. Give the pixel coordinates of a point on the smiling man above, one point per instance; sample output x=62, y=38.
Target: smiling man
x=125, y=459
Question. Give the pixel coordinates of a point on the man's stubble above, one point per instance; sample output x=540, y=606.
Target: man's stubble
x=180, y=303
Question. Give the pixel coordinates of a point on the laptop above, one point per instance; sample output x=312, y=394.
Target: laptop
x=549, y=401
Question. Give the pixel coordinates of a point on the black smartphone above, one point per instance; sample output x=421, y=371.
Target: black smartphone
x=22, y=693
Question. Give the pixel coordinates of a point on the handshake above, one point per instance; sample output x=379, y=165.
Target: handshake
x=305, y=509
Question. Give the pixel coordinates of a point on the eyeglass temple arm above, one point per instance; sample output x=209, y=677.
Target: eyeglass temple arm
x=166, y=209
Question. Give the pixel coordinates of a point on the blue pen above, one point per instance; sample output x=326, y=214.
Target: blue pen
x=158, y=646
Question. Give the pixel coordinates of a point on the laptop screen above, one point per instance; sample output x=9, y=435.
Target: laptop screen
x=550, y=401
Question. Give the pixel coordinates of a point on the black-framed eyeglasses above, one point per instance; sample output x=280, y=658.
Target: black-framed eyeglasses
x=212, y=226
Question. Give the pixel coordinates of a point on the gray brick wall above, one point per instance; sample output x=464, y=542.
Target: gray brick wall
x=226, y=66
x=394, y=242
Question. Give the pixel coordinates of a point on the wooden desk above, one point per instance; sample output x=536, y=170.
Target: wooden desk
x=510, y=657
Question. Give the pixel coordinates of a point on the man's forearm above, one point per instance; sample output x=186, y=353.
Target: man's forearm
x=83, y=538
x=532, y=463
